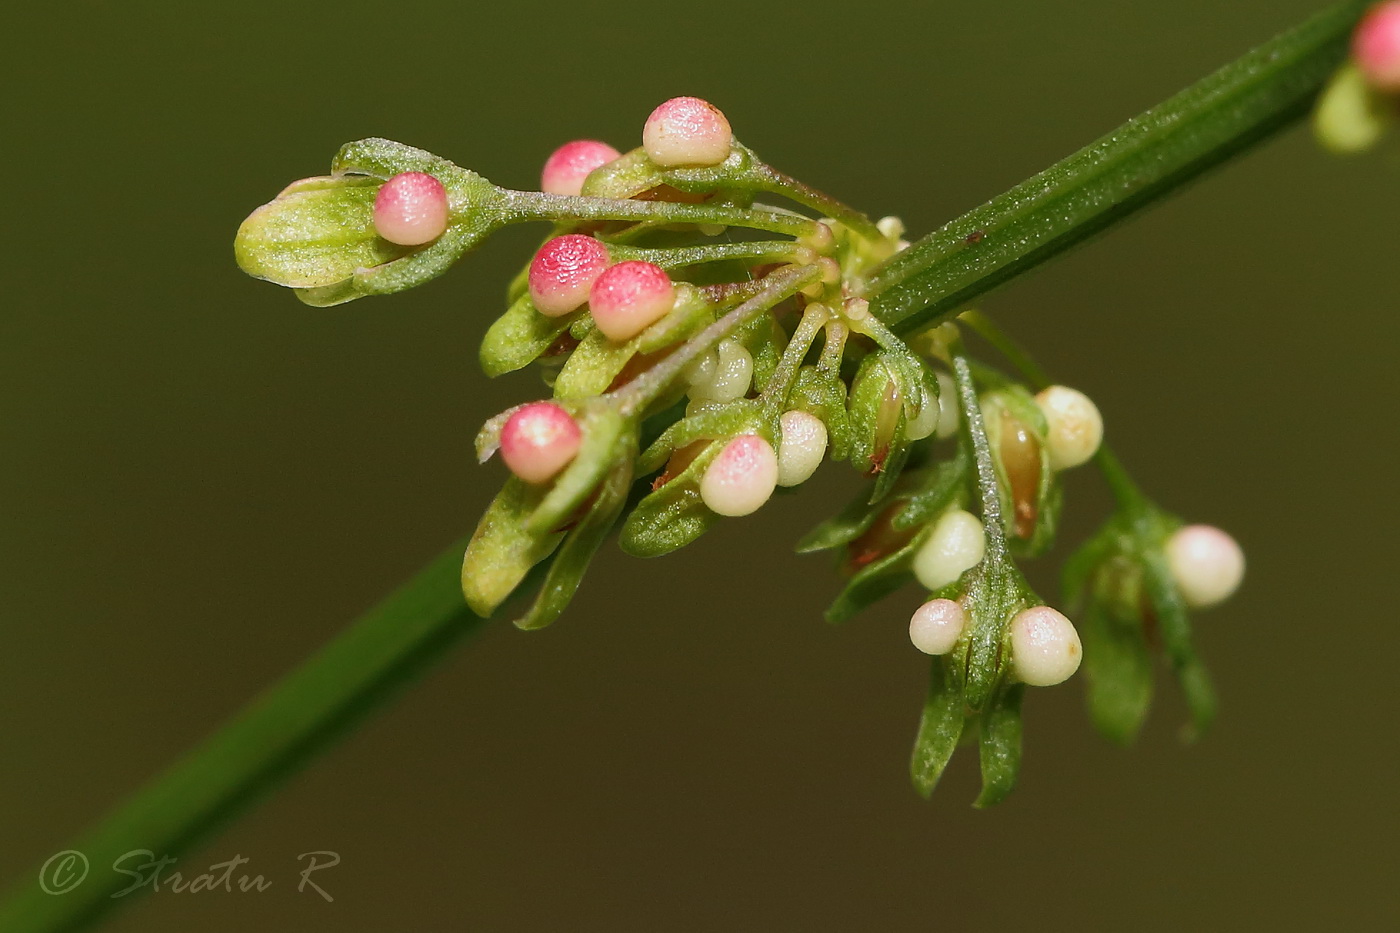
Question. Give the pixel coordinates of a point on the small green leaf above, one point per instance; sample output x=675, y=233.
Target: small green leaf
x=672, y=516
x=607, y=441
x=519, y=337
x=503, y=550
x=1118, y=670
x=1174, y=624
x=940, y=727
x=1000, y=746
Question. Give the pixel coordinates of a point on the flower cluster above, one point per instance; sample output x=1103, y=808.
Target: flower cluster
x=701, y=350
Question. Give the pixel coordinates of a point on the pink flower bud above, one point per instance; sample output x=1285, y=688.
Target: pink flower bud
x=1376, y=46
x=687, y=131
x=411, y=209
x=1045, y=648
x=936, y=626
x=741, y=478
x=563, y=272
x=629, y=297
x=1206, y=564
x=538, y=441
x=571, y=163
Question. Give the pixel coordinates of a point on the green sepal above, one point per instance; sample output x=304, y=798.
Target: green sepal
x=580, y=544
x=934, y=489
x=316, y=233
x=502, y=550
x=878, y=443
x=850, y=523
x=874, y=581
x=1048, y=494
x=1174, y=625
x=740, y=416
x=1351, y=116
x=940, y=728
x=672, y=516
x=1117, y=662
x=596, y=362
x=519, y=337
x=999, y=746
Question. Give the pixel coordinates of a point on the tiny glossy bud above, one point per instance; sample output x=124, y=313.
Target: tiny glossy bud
x=956, y=544
x=731, y=376
x=1375, y=46
x=1206, y=564
x=1075, y=426
x=1045, y=648
x=936, y=626
x=802, y=448
x=741, y=478
x=411, y=209
x=571, y=163
x=687, y=131
x=629, y=297
x=949, y=412
x=538, y=441
x=563, y=272
x=926, y=421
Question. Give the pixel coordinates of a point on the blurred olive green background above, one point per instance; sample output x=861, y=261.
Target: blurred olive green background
x=202, y=481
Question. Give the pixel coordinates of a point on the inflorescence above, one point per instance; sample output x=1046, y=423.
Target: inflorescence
x=703, y=349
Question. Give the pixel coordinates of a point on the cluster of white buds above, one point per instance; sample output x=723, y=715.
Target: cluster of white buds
x=1045, y=648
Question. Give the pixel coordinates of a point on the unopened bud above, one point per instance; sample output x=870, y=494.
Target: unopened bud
x=1075, y=426
x=411, y=209
x=563, y=272
x=571, y=163
x=687, y=131
x=1045, y=648
x=802, y=448
x=1206, y=564
x=731, y=376
x=741, y=478
x=956, y=544
x=936, y=626
x=1375, y=46
x=538, y=441
x=949, y=411
x=629, y=297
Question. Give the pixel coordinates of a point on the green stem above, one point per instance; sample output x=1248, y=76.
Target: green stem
x=680, y=257
x=1146, y=159
x=1143, y=160
x=775, y=182
x=250, y=755
x=536, y=205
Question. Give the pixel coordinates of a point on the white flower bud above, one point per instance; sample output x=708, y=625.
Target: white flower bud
x=702, y=368
x=936, y=626
x=956, y=544
x=741, y=478
x=1206, y=564
x=1075, y=426
x=802, y=448
x=1045, y=648
x=926, y=421
x=949, y=413
x=731, y=377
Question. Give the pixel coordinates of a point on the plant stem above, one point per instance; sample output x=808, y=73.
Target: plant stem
x=261, y=746
x=537, y=205
x=1081, y=196
x=1143, y=160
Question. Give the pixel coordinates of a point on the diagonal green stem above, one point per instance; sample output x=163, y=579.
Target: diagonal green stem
x=1143, y=160
x=268, y=740
x=278, y=732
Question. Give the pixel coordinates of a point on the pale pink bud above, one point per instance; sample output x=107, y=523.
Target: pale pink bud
x=563, y=272
x=538, y=441
x=629, y=297
x=936, y=626
x=1376, y=46
x=1045, y=648
x=411, y=209
x=571, y=163
x=1206, y=564
x=687, y=131
x=741, y=478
